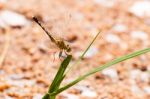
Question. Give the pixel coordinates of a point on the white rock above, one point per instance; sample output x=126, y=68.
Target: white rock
x=2, y=72
x=140, y=8
x=86, y=92
x=119, y=27
x=91, y=52
x=112, y=38
x=2, y=23
x=110, y=72
x=3, y=1
x=70, y=96
x=78, y=16
x=107, y=3
x=37, y=96
x=135, y=73
x=21, y=83
x=16, y=76
x=89, y=93
x=136, y=89
x=11, y=18
x=139, y=35
x=7, y=97
x=145, y=77
x=147, y=89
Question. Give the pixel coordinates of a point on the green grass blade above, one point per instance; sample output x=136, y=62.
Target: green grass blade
x=118, y=60
x=58, y=78
x=60, y=74
x=46, y=96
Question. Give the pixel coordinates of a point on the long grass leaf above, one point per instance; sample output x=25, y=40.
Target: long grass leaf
x=100, y=68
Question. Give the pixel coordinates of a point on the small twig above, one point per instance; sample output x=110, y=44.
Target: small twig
x=6, y=46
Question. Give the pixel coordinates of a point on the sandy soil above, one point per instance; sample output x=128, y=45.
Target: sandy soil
x=27, y=64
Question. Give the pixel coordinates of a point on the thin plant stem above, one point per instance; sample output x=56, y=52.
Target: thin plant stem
x=81, y=57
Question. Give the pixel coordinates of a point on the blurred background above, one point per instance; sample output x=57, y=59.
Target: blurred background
x=28, y=61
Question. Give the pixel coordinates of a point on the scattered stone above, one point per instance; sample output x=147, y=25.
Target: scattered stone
x=16, y=76
x=21, y=83
x=3, y=1
x=91, y=52
x=86, y=92
x=139, y=35
x=70, y=96
x=2, y=23
x=78, y=16
x=107, y=3
x=141, y=8
x=10, y=18
x=112, y=38
x=119, y=27
x=147, y=89
x=110, y=72
x=89, y=93
x=37, y=96
x=137, y=74
x=145, y=77
x=2, y=72
x=7, y=97
x=134, y=73
x=136, y=89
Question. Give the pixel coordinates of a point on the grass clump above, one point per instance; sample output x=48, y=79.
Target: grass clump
x=55, y=88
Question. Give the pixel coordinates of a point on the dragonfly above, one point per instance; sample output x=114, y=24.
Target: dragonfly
x=60, y=43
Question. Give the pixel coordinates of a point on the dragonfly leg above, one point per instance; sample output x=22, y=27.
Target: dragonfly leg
x=66, y=53
x=60, y=54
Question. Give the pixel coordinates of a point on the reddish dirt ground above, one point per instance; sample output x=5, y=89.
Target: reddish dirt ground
x=27, y=64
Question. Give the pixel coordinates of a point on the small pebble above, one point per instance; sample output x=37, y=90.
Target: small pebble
x=134, y=73
x=10, y=18
x=2, y=23
x=140, y=8
x=110, y=72
x=3, y=1
x=147, y=89
x=145, y=77
x=21, y=83
x=37, y=96
x=112, y=38
x=8, y=97
x=78, y=16
x=107, y=3
x=136, y=89
x=91, y=52
x=16, y=76
x=2, y=72
x=70, y=96
x=119, y=27
x=89, y=93
x=139, y=35
x=86, y=92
